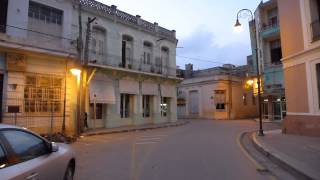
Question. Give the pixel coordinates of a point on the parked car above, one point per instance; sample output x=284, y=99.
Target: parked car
x=27, y=156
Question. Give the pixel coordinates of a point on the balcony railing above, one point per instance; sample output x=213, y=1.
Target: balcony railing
x=270, y=26
x=315, y=30
x=133, y=64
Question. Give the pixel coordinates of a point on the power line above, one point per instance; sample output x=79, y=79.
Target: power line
x=198, y=59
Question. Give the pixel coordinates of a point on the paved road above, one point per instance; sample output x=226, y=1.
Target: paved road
x=201, y=150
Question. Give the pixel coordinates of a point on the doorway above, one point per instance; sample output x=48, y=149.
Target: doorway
x=194, y=103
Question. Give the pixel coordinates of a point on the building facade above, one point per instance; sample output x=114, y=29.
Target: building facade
x=128, y=67
x=134, y=65
x=36, y=52
x=216, y=93
x=268, y=42
x=301, y=61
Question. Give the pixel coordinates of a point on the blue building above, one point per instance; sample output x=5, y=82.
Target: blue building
x=267, y=40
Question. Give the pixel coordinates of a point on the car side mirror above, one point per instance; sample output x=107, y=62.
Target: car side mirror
x=54, y=147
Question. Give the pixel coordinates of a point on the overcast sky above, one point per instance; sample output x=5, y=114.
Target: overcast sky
x=204, y=27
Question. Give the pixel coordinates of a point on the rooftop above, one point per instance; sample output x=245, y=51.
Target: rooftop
x=113, y=12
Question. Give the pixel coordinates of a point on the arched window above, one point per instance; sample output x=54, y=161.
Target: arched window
x=127, y=51
x=98, y=44
x=147, y=52
x=165, y=56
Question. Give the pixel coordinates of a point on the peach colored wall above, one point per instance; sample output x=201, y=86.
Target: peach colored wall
x=291, y=27
x=296, y=88
x=302, y=125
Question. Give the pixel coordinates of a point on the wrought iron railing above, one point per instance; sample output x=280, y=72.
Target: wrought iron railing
x=134, y=64
x=270, y=26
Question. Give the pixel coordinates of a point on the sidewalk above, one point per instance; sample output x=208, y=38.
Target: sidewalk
x=300, y=154
x=133, y=128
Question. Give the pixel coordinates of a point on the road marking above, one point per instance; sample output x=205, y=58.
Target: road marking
x=147, y=139
x=153, y=136
x=142, y=143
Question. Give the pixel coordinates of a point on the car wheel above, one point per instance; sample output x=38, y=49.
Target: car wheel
x=69, y=173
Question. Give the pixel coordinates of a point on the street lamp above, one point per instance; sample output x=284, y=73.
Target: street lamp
x=238, y=28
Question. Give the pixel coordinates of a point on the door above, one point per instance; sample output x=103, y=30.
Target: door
x=98, y=121
x=194, y=103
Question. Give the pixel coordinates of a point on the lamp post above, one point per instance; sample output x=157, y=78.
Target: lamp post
x=238, y=28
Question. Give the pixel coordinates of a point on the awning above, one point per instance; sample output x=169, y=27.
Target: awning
x=150, y=88
x=102, y=91
x=168, y=90
x=129, y=86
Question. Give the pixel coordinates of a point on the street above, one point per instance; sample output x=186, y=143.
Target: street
x=201, y=150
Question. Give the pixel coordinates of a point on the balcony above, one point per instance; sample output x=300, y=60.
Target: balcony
x=130, y=64
x=315, y=30
x=270, y=30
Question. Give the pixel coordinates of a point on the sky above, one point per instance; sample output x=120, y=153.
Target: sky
x=204, y=28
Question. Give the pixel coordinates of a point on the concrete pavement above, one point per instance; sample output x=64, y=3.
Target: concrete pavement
x=202, y=150
x=297, y=153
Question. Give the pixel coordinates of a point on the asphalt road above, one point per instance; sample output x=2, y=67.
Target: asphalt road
x=201, y=150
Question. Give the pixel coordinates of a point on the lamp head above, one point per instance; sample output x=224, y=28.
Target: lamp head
x=238, y=27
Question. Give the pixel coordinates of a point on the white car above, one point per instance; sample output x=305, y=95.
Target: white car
x=27, y=156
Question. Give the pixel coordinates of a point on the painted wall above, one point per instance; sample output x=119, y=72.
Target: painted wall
x=19, y=24
x=114, y=32
x=206, y=87
x=290, y=18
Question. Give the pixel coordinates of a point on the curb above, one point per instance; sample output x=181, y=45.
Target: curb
x=276, y=158
x=257, y=165
x=110, y=131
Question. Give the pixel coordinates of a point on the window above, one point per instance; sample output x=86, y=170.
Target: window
x=147, y=48
x=3, y=15
x=99, y=111
x=125, y=105
x=45, y=13
x=220, y=97
x=146, y=105
x=165, y=55
x=315, y=16
x=25, y=145
x=43, y=94
x=276, y=54
x=3, y=158
x=127, y=46
x=164, y=106
x=98, y=42
x=244, y=98
x=272, y=17
x=318, y=81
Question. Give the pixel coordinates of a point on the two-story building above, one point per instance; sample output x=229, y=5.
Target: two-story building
x=268, y=43
x=300, y=35
x=131, y=67
x=37, y=50
x=135, y=68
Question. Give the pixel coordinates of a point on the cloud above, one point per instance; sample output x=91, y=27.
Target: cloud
x=204, y=52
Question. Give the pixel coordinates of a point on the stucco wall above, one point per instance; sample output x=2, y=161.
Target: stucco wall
x=291, y=27
x=296, y=88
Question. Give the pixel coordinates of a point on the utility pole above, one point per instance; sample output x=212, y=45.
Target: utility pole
x=83, y=80
x=79, y=49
